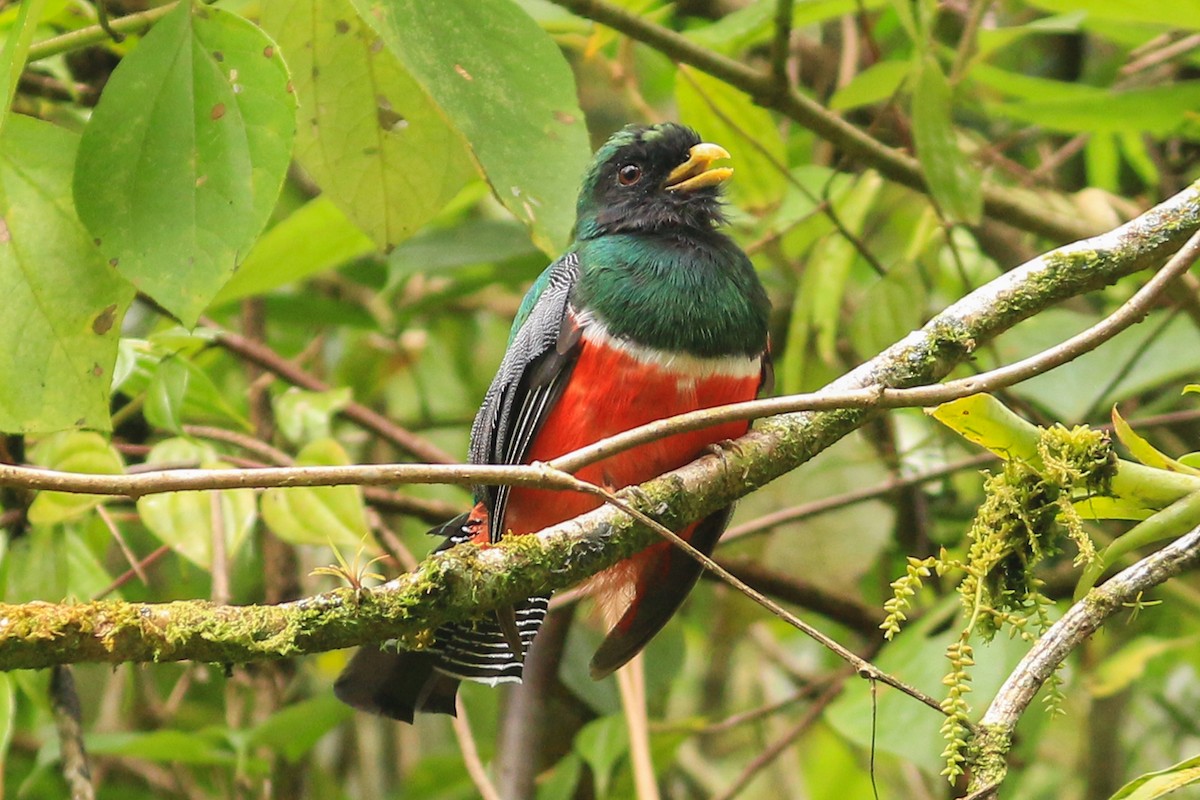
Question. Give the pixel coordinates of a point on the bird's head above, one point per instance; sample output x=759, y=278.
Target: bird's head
x=652, y=178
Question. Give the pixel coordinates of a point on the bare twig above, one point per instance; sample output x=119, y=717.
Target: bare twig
x=777, y=747
x=376, y=423
x=470, y=753
x=111, y=524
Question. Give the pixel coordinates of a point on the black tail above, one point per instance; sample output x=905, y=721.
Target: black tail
x=399, y=684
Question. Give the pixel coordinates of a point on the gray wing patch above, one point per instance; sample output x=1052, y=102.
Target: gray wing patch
x=527, y=385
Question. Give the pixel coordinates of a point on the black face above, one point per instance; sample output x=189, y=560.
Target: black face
x=626, y=191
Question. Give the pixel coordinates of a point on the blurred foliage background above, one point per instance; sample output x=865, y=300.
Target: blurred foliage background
x=388, y=178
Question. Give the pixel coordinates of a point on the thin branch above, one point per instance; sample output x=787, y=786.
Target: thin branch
x=84, y=37
x=1022, y=209
x=111, y=524
x=1076, y=625
x=470, y=753
x=776, y=748
x=863, y=667
x=920, y=357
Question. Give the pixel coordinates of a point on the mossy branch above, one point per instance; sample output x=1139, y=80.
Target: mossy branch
x=466, y=581
x=993, y=738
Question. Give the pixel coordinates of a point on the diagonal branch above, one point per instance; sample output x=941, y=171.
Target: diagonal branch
x=463, y=582
x=996, y=728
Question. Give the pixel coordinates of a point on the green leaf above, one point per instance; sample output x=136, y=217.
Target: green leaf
x=601, y=744
x=182, y=160
x=1152, y=111
x=52, y=562
x=1170, y=15
x=1142, y=450
x=1122, y=668
x=955, y=183
x=447, y=250
x=8, y=714
x=1169, y=523
x=729, y=118
x=306, y=416
x=294, y=730
x=1153, y=785
x=164, y=396
x=16, y=51
x=873, y=85
x=185, y=520
x=514, y=104
x=985, y=421
x=63, y=305
x=168, y=746
x=816, y=314
x=368, y=133
x=72, y=451
x=318, y=515
x=563, y=779
x=313, y=238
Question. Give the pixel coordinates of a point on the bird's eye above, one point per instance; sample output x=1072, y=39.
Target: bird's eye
x=629, y=174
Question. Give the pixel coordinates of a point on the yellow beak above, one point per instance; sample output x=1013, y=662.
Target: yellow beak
x=697, y=172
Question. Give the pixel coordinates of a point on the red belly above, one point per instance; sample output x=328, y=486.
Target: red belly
x=609, y=392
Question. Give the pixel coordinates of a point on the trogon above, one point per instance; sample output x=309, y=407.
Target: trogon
x=651, y=312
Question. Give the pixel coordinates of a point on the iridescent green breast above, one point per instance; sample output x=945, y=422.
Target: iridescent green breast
x=696, y=294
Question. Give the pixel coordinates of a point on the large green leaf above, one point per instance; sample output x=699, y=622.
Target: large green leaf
x=318, y=515
x=1153, y=785
x=724, y=115
x=368, y=134
x=1152, y=111
x=1172, y=15
x=62, y=305
x=183, y=158
x=503, y=83
x=955, y=184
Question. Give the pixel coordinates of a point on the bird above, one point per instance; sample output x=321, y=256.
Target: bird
x=651, y=312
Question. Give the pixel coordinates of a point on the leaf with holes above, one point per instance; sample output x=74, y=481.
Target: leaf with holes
x=62, y=305
x=182, y=160
x=368, y=133
x=502, y=82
